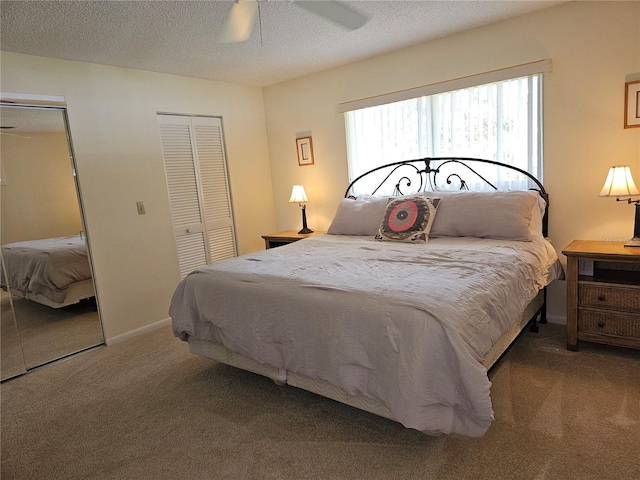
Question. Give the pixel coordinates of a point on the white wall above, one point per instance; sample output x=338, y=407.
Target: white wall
x=39, y=197
x=112, y=115
x=595, y=48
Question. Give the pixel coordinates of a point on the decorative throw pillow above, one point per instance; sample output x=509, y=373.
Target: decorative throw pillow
x=407, y=219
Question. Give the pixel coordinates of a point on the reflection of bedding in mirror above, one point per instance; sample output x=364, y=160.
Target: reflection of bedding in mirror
x=51, y=271
x=46, y=258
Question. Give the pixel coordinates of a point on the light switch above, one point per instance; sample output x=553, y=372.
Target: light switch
x=141, y=210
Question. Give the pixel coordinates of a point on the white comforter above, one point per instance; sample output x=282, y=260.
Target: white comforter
x=407, y=325
x=46, y=267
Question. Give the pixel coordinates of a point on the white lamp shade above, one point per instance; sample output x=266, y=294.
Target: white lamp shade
x=298, y=195
x=619, y=183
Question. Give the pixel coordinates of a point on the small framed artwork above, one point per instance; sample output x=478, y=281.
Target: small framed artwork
x=632, y=104
x=305, y=151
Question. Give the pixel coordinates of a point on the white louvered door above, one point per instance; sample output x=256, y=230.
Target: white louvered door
x=197, y=181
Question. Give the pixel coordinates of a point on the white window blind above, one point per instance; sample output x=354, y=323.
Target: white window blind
x=499, y=121
x=523, y=70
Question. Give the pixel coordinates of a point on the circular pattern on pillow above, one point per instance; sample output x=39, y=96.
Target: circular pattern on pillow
x=407, y=220
x=404, y=216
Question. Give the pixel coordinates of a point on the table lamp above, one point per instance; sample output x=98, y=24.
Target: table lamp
x=300, y=197
x=620, y=183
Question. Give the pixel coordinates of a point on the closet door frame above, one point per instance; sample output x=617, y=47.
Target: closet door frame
x=193, y=240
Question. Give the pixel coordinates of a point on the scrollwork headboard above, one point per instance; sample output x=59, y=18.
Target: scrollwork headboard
x=428, y=174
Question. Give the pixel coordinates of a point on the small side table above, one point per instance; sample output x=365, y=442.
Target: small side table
x=603, y=293
x=288, y=236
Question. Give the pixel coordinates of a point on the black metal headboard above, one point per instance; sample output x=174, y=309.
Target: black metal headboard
x=423, y=175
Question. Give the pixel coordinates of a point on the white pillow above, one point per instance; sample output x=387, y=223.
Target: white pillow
x=501, y=215
x=537, y=214
x=358, y=217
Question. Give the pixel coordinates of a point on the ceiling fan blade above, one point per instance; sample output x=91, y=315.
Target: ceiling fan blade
x=240, y=21
x=334, y=12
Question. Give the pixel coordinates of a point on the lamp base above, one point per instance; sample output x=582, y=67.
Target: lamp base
x=305, y=229
x=633, y=242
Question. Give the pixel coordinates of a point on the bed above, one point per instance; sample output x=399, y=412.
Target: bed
x=405, y=328
x=52, y=271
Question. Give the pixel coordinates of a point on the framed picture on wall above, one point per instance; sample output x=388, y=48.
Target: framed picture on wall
x=632, y=104
x=305, y=151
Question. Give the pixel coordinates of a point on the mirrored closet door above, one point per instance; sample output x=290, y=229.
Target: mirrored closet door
x=49, y=307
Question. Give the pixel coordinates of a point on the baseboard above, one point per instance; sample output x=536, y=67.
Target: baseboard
x=138, y=331
x=557, y=319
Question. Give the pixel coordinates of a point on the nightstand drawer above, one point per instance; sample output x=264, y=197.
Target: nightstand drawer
x=619, y=298
x=607, y=324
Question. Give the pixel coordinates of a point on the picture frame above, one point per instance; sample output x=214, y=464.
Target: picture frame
x=304, y=146
x=632, y=104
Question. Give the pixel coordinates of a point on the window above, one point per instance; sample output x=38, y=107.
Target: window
x=499, y=121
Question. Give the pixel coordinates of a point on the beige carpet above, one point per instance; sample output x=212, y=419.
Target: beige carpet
x=46, y=333
x=148, y=409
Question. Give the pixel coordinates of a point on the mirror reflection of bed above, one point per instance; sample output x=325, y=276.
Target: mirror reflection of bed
x=49, y=308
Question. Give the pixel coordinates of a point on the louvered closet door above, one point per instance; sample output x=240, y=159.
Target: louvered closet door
x=197, y=181
x=215, y=187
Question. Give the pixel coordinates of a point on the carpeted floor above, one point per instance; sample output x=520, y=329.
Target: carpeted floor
x=46, y=333
x=148, y=409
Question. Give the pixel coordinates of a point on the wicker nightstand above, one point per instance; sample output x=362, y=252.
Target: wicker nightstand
x=283, y=238
x=603, y=293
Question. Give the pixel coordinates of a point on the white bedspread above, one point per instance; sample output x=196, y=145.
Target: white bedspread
x=407, y=325
x=46, y=267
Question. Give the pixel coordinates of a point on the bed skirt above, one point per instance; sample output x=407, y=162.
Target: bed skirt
x=74, y=293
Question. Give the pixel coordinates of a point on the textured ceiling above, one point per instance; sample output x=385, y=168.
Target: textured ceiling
x=23, y=121
x=180, y=37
